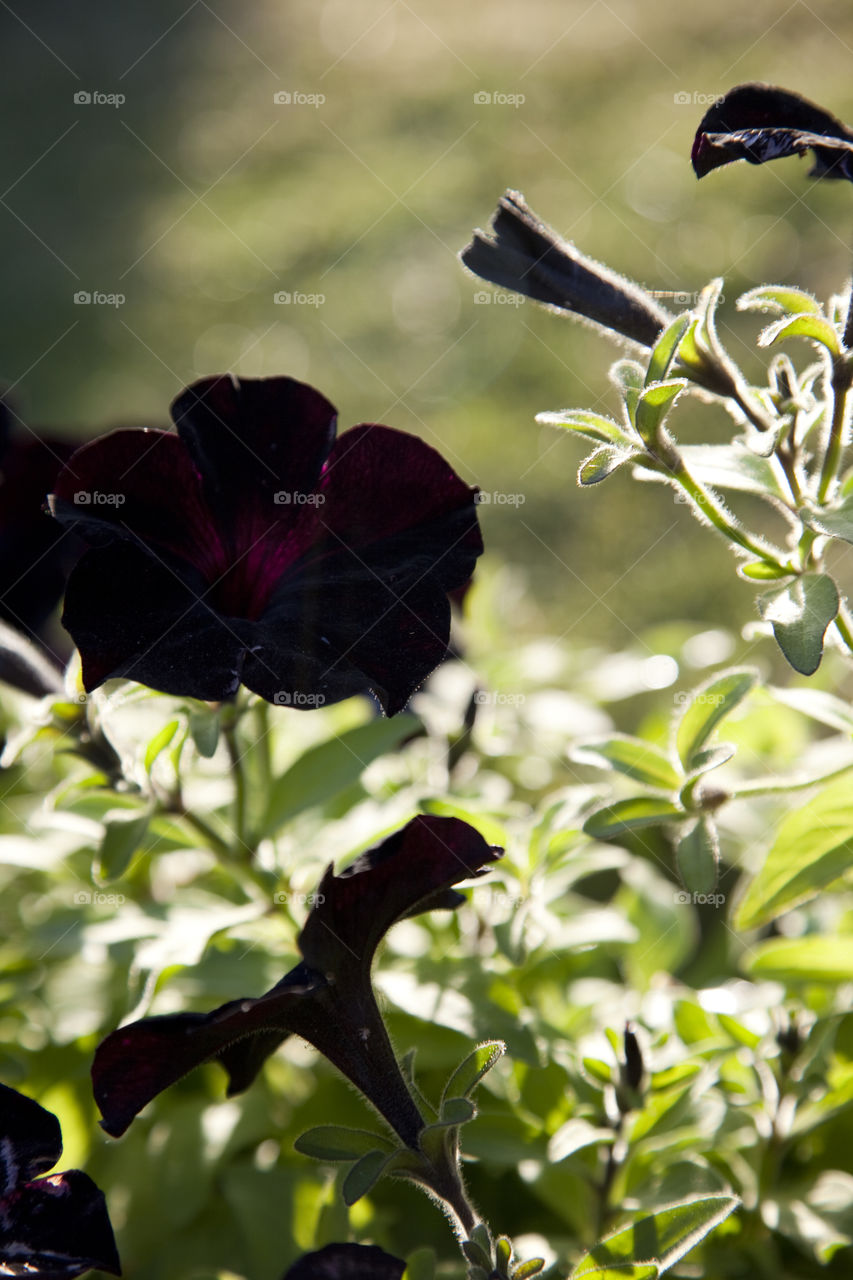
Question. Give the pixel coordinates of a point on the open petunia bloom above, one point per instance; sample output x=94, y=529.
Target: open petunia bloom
x=760, y=122
x=54, y=1227
x=327, y=998
x=347, y=1262
x=254, y=548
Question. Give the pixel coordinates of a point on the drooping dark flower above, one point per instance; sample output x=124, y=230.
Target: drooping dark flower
x=53, y=1227
x=347, y=1262
x=35, y=555
x=327, y=998
x=524, y=254
x=760, y=122
x=253, y=547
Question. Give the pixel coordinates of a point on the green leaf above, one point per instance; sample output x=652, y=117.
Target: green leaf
x=652, y=407
x=820, y=705
x=800, y=614
x=586, y=423
x=625, y=1271
x=364, y=1174
x=631, y=815
x=705, y=707
x=530, y=1268
x=814, y=327
x=635, y=757
x=598, y=1069
x=333, y=1142
x=662, y=1238
x=457, y=1111
x=503, y=1254
x=576, y=1134
x=698, y=857
x=471, y=1070
x=325, y=770
x=813, y=848
x=732, y=466
x=124, y=831
x=160, y=742
x=602, y=463
x=779, y=298
x=204, y=729
x=813, y=958
x=476, y=1256
x=628, y=377
x=836, y=522
x=710, y=758
x=761, y=571
x=666, y=348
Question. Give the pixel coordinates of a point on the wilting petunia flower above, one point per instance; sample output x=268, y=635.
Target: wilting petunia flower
x=347, y=1262
x=327, y=998
x=254, y=548
x=522, y=253
x=760, y=122
x=54, y=1227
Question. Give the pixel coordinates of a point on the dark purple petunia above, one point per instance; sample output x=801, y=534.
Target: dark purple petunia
x=253, y=547
x=327, y=998
x=35, y=555
x=760, y=122
x=54, y=1227
x=524, y=254
x=347, y=1262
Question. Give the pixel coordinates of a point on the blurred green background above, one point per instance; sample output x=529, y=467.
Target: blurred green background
x=199, y=198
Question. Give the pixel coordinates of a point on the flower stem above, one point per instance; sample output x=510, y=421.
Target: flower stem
x=711, y=508
x=842, y=375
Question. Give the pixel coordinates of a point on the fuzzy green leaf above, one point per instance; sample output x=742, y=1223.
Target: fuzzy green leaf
x=333, y=1142
x=653, y=405
x=635, y=757
x=586, y=423
x=160, y=742
x=813, y=958
x=471, y=1070
x=602, y=463
x=779, y=298
x=364, y=1174
x=698, y=857
x=662, y=1238
x=631, y=815
x=666, y=348
x=836, y=522
x=124, y=831
x=799, y=615
x=814, y=327
x=706, y=707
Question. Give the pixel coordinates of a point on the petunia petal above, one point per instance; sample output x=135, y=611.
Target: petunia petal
x=327, y=998
x=56, y=1228
x=131, y=616
x=30, y=1139
x=347, y=1262
x=251, y=438
x=140, y=486
x=761, y=122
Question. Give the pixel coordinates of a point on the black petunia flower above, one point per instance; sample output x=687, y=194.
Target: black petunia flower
x=253, y=547
x=760, y=122
x=347, y=1262
x=327, y=998
x=54, y=1227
